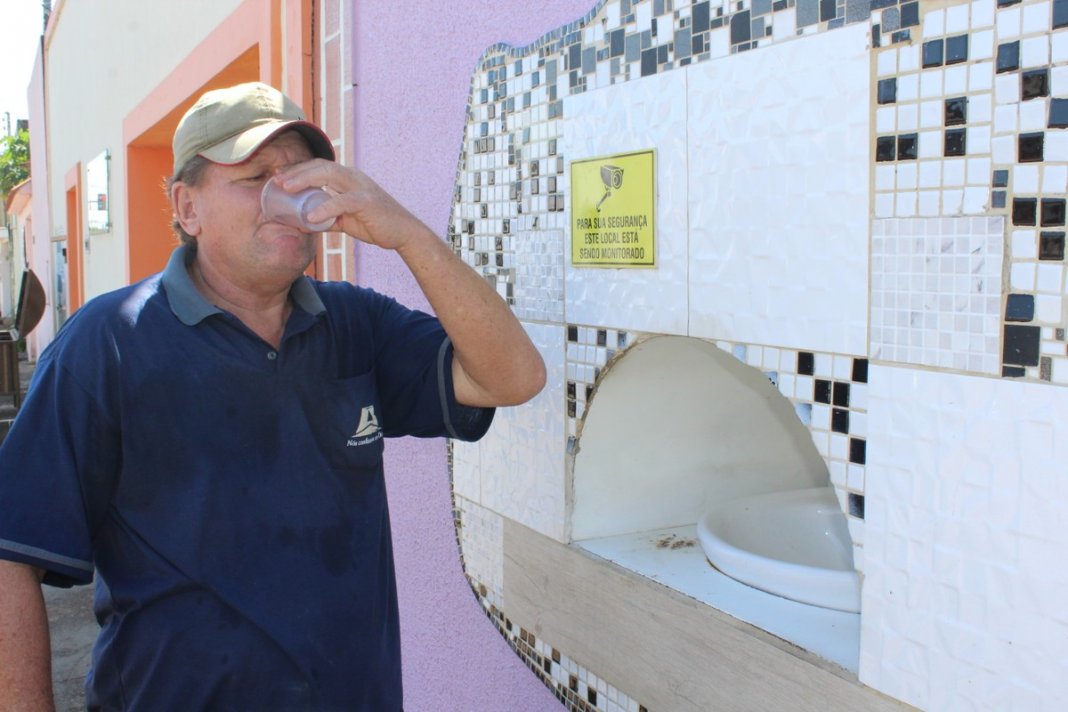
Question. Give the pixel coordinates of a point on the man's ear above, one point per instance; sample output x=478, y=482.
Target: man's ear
x=185, y=209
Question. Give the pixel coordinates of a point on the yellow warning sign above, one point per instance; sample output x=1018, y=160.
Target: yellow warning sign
x=612, y=211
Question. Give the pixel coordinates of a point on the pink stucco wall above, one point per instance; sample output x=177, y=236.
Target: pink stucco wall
x=412, y=66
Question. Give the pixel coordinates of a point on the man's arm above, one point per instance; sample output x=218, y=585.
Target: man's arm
x=494, y=361
x=25, y=652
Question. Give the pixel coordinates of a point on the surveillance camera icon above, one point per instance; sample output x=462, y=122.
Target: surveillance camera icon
x=612, y=177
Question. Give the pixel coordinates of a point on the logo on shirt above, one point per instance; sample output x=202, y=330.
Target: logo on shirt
x=368, y=430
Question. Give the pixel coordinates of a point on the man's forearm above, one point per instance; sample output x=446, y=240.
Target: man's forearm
x=25, y=652
x=495, y=362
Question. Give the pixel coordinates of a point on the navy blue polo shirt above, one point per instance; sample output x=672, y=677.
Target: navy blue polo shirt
x=229, y=495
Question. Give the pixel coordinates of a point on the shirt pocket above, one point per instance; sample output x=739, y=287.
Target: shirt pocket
x=345, y=420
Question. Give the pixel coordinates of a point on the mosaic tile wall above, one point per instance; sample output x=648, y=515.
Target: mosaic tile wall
x=964, y=214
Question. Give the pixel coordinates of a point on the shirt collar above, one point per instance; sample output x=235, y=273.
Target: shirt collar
x=189, y=305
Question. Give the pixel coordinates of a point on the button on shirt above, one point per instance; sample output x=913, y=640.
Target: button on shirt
x=233, y=505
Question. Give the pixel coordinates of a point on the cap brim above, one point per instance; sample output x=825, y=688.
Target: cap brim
x=241, y=147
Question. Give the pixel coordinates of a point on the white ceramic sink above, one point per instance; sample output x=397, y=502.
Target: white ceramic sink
x=793, y=543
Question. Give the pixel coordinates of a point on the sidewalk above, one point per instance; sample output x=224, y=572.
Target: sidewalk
x=72, y=626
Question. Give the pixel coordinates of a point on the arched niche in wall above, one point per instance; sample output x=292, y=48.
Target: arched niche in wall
x=677, y=425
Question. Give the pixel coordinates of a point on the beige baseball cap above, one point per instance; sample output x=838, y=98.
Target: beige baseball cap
x=228, y=125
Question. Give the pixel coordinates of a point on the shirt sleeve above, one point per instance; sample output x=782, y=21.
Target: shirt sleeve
x=412, y=361
x=56, y=466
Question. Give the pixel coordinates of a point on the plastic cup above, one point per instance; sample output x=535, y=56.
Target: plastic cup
x=292, y=208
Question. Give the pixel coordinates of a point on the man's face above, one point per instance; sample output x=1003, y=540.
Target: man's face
x=233, y=234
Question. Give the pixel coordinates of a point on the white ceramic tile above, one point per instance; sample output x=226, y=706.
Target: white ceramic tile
x=1034, y=52
x=981, y=76
x=934, y=23
x=930, y=276
x=482, y=545
x=965, y=547
x=981, y=45
x=467, y=470
x=1036, y=17
x=982, y=13
x=791, y=270
x=1008, y=23
x=956, y=19
x=654, y=299
x=523, y=454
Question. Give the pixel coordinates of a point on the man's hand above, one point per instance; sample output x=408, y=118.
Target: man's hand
x=360, y=207
x=495, y=362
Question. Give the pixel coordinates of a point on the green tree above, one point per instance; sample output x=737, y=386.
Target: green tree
x=14, y=160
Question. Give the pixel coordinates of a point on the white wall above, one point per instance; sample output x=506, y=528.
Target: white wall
x=102, y=59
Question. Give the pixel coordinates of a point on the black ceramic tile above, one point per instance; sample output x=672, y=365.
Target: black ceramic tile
x=910, y=14
x=648, y=62
x=700, y=17
x=840, y=394
x=741, y=27
x=1013, y=372
x=906, y=147
x=956, y=49
x=1034, y=83
x=822, y=391
x=1008, y=56
x=1020, y=307
x=805, y=363
x=1058, y=112
x=697, y=44
x=888, y=90
x=860, y=370
x=840, y=420
x=1024, y=211
x=1001, y=178
x=955, y=142
x=956, y=111
x=1060, y=13
x=1051, y=246
x=1021, y=345
x=856, y=505
x=828, y=9
x=1052, y=212
x=933, y=53
x=858, y=451
x=572, y=333
x=1030, y=147
x=885, y=148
